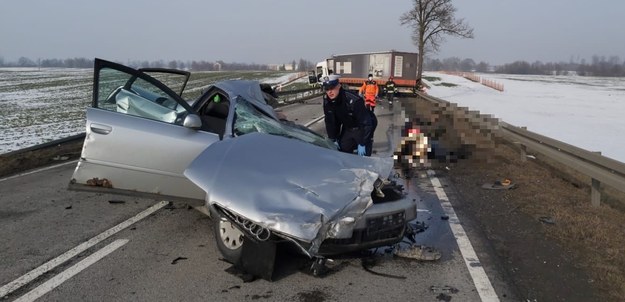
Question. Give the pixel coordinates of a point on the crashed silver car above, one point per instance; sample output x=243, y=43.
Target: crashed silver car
x=264, y=180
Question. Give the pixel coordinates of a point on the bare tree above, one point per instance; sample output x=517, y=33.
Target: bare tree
x=431, y=20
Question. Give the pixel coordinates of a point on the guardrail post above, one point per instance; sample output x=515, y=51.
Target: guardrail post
x=522, y=150
x=595, y=194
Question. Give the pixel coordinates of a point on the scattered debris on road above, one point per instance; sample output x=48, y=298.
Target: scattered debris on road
x=504, y=184
x=369, y=262
x=96, y=182
x=547, y=220
x=418, y=252
x=178, y=259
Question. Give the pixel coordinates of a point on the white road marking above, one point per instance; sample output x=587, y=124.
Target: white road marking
x=38, y=170
x=480, y=279
x=71, y=272
x=30, y=276
x=314, y=121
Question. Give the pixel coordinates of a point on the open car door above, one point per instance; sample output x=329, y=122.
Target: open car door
x=140, y=137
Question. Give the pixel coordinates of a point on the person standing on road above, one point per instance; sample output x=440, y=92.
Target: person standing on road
x=369, y=90
x=348, y=122
x=389, y=87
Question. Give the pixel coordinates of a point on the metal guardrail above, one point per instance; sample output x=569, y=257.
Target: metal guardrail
x=599, y=168
x=293, y=96
x=54, y=143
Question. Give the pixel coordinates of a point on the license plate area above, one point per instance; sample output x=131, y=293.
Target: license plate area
x=386, y=226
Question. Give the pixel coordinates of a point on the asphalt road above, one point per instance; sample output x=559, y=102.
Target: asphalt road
x=169, y=255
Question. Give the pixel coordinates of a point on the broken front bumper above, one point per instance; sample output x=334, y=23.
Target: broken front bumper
x=382, y=224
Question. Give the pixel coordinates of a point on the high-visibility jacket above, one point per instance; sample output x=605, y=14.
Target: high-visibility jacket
x=370, y=90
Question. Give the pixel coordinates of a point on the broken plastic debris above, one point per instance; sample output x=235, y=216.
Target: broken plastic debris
x=444, y=289
x=503, y=184
x=418, y=252
x=547, y=220
x=368, y=262
x=178, y=259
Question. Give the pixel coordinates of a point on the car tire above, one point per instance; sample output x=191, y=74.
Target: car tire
x=228, y=236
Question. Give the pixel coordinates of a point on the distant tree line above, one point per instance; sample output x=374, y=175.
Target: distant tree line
x=598, y=66
x=173, y=64
x=67, y=63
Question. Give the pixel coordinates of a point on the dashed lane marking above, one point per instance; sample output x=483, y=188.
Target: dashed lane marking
x=32, y=275
x=70, y=272
x=480, y=279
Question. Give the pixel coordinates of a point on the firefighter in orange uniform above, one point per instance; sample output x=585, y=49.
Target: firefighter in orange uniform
x=369, y=91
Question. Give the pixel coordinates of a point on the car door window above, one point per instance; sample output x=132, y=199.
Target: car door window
x=128, y=94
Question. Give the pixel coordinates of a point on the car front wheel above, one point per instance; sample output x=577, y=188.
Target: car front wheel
x=228, y=236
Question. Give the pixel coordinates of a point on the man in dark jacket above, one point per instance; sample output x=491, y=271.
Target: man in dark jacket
x=348, y=122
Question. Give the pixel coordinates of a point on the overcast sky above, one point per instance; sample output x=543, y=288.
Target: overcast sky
x=279, y=31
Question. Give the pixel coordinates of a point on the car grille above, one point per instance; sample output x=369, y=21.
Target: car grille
x=384, y=227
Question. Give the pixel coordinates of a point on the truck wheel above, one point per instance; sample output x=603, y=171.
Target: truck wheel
x=228, y=236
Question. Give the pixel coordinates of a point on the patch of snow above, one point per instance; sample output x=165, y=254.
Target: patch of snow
x=586, y=112
x=279, y=80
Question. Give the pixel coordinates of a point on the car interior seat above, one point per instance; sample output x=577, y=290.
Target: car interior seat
x=215, y=114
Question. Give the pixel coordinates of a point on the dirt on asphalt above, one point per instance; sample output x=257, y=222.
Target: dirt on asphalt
x=552, y=243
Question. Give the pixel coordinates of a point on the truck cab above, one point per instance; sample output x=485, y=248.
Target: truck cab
x=321, y=70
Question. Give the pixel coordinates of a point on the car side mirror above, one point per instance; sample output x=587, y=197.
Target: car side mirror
x=192, y=121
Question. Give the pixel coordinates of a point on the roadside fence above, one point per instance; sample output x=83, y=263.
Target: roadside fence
x=475, y=78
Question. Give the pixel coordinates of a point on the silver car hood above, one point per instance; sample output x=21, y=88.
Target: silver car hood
x=293, y=188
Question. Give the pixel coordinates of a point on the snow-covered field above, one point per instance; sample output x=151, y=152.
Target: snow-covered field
x=37, y=106
x=41, y=105
x=587, y=112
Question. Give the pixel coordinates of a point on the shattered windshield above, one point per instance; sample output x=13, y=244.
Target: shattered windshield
x=248, y=119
